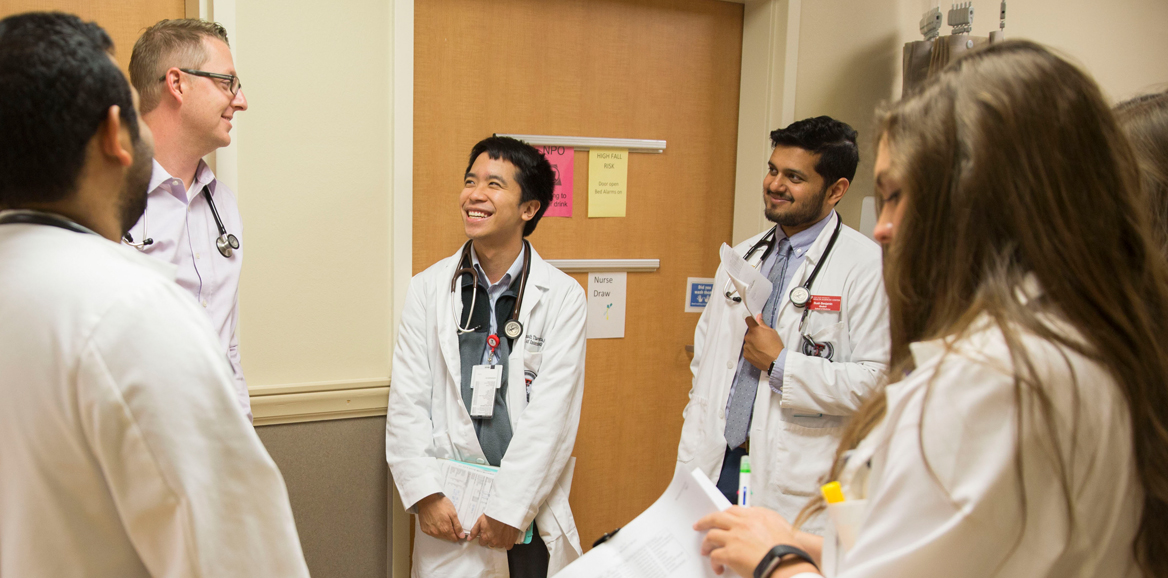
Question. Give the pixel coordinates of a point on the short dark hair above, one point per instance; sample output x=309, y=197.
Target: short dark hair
x=533, y=172
x=832, y=140
x=57, y=83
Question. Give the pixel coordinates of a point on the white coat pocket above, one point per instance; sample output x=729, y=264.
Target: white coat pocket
x=531, y=363
x=693, y=429
x=824, y=343
x=846, y=518
x=804, y=456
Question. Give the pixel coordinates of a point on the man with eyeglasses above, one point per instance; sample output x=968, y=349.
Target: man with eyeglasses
x=185, y=75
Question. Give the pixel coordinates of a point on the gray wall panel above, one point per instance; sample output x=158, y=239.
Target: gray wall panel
x=337, y=481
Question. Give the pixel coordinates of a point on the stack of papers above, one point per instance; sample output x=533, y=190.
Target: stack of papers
x=661, y=542
x=468, y=486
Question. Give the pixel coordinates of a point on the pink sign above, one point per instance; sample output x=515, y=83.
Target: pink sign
x=561, y=159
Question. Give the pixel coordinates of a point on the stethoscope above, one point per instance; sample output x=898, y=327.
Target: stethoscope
x=800, y=296
x=513, y=328
x=226, y=243
x=18, y=217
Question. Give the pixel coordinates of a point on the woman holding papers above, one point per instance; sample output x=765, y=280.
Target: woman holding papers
x=1024, y=431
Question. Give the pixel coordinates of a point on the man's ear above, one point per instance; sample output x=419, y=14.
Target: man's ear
x=837, y=190
x=528, y=210
x=172, y=84
x=115, y=143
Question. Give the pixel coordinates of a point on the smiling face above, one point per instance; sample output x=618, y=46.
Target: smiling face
x=208, y=106
x=794, y=193
x=889, y=196
x=491, y=211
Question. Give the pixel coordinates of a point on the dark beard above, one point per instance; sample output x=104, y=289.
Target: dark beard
x=132, y=201
x=808, y=213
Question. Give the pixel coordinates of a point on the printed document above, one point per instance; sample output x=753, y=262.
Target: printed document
x=468, y=486
x=661, y=542
x=758, y=287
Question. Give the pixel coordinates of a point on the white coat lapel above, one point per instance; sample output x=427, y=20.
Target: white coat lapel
x=537, y=286
x=449, y=312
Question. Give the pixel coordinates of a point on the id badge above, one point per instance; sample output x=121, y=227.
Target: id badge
x=484, y=380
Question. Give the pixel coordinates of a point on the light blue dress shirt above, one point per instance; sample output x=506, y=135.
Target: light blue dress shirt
x=800, y=243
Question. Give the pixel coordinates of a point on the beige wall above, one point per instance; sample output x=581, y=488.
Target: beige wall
x=314, y=177
x=848, y=59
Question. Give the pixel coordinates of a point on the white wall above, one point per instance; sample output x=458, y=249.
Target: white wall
x=848, y=60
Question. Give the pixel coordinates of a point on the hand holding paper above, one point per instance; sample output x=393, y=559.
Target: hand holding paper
x=438, y=518
x=742, y=289
x=742, y=275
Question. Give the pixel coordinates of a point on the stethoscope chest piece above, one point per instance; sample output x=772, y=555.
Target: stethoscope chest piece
x=512, y=329
x=227, y=244
x=800, y=296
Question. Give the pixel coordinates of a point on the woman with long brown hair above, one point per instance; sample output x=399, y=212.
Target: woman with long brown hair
x=1024, y=428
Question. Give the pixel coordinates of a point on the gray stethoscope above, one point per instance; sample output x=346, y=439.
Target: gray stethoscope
x=513, y=328
x=800, y=296
x=226, y=243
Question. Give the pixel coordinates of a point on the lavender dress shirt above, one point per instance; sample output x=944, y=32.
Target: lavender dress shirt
x=184, y=233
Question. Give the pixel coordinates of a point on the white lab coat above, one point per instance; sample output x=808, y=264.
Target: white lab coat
x=122, y=450
x=793, y=437
x=427, y=419
x=963, y=518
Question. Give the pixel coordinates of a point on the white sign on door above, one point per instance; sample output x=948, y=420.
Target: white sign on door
x=606, y=305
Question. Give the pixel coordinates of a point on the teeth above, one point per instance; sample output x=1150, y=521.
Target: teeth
x=477, y=214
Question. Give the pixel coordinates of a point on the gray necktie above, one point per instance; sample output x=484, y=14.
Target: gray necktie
x=746, y=380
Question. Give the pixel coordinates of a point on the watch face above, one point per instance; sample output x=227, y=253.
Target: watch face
x=800, y=296
x=512, y=329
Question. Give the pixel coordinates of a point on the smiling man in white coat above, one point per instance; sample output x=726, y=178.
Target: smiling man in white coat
x=122, y=450
x=489, y=369
x=781, y=385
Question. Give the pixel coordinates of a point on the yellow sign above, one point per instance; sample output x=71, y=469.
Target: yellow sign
x=608, y=176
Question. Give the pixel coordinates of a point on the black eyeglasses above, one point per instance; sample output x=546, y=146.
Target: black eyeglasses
x=234, y=85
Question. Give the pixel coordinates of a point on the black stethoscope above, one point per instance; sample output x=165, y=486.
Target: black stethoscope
x=800, y=296
x=226, y=243
x=38, y=218
x=513, y=328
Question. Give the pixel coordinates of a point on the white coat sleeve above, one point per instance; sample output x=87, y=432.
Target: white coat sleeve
x=816, y=385
x=409, y=430
x=195, y=489
x=546, y=433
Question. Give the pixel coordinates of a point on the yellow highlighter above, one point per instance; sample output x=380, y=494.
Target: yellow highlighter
x=832, y=493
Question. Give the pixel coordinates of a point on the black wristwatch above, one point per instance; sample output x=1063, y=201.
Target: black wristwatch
x=775, y=557
x=771, y=369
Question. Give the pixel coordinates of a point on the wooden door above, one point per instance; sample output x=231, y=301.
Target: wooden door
x=123, y=20
x=656, y=69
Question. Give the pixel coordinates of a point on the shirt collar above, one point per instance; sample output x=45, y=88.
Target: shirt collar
x=802, y=241
x=204, y=177
x=512, y=273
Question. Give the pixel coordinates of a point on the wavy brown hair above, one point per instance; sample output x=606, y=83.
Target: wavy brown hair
x=1013, y=166
x=1145, y=121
